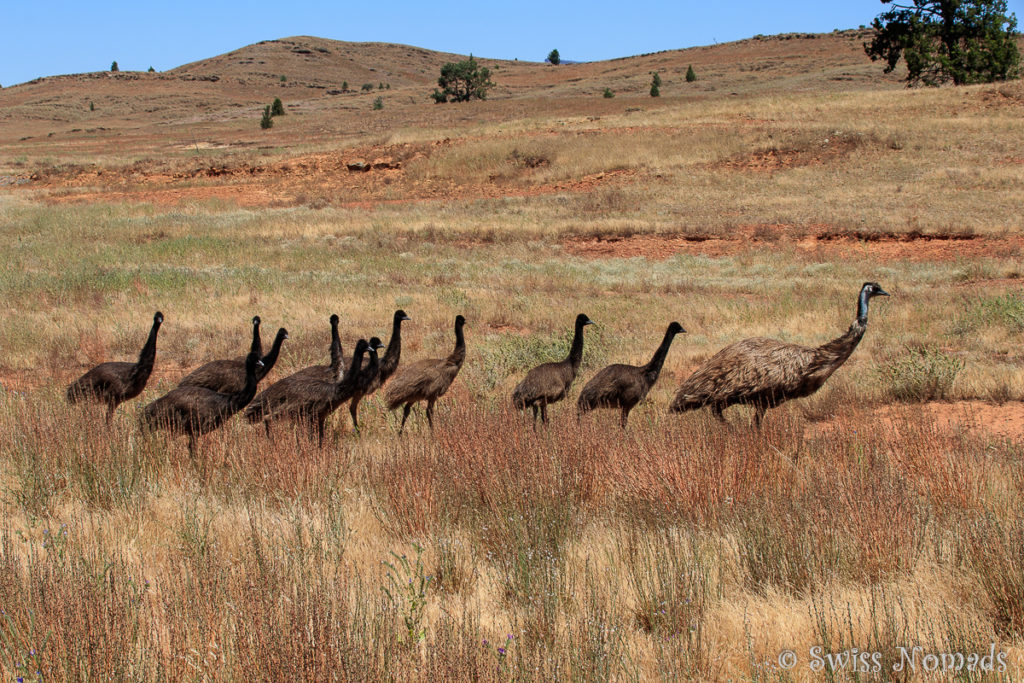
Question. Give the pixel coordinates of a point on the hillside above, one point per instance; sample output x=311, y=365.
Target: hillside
x=216, y=99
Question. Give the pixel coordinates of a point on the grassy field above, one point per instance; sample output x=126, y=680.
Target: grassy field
x=883, y=512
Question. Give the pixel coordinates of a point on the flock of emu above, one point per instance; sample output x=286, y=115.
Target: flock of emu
x=760, y=372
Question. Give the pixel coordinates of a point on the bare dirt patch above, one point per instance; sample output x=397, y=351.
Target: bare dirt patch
x=825, y=242
x=1004, y=420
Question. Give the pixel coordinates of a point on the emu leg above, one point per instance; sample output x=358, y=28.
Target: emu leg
x=193, y=445
x=430, y=414
x=353, y=408
x=320, y=423
x=716, y=410
x=544, y=413
x=625, y=417
x=405, y=416
x=534, y=406
x=759, y=414
x=111, y=407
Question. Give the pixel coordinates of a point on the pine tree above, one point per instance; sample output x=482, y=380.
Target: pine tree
x=268, y=120
x=656, y=85
x=113, y=66
x=277, y=108
x=690, y=75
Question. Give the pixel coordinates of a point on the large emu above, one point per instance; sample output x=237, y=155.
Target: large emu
x=308, y=399
x=388, y=365
x=767, y=372
x=426, y=380
x=195, y=411
x=114, y=383
x=623, y=386
x=549, y=382
x=228, y=376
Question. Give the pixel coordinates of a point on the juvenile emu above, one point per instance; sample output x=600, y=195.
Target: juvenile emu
x=195, y=411
x=307, y=399
x=766, y=372
x=550, y=382
x=623, y=386
x=228, y=376
x=388, y=365
x=116, y=382
x=332, y=372
x=427, y=380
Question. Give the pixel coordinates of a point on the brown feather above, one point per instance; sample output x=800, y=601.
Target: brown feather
x=426, y=380
x=767, y=372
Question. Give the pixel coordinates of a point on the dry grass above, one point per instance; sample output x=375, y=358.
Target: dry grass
x=867, y=516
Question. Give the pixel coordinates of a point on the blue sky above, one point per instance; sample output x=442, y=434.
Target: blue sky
x=48, y=38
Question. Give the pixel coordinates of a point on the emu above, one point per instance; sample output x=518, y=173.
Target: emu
x=427, y=380
x=549, y=382
x=765, y=372
x=623, y=386
x=114, y=383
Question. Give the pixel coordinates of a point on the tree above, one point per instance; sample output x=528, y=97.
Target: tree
x=462, y=81
x=152, y=70
x=690, y=75
x=277, y=108
x=268, y=120
x=554, y=57
x=113, y=66
x=608, y=94
x=656, y=85
x=963, y=41
x=344, y=86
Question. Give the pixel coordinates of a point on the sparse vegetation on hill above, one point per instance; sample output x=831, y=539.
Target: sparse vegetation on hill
x=268, y=119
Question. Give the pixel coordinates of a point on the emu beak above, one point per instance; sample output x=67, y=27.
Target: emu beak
x=405, y=317
x=881, y=292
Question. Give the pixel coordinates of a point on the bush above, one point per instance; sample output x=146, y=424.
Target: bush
x=92, y=106
x=344, y=86
x=690, y=75
x=463, y=81
x=378, y=104
x=113, y=66
x=921, y=374
x=283, y=78
x=268, y=119
x=656, y=85
x=367, y=87
x=608, y=94
x=152, y=70
x=277, y=108
x=554, y=57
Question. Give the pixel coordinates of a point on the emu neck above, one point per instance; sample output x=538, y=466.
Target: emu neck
x=146, y=357
x=575, y=356
x=337, y=357
x=862, y=307
x=257, y=343
x=835, y=352
x=394, y=349
x=658, y=359
x=458, y=354
x=242, y=398
x=270, y=359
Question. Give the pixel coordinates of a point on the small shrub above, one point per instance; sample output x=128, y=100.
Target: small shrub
x=152, y=70
x=113, y=66
x=608, y=94
x=380, y=86
x=268, y=120
x=344, y=86
x=378, y=104
x=92, y=106
x=921, y=374
x=656, y=85
x=994, y=550
x=367, y=87
x=277, y=108
x=690, y=75
x=284, y=78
